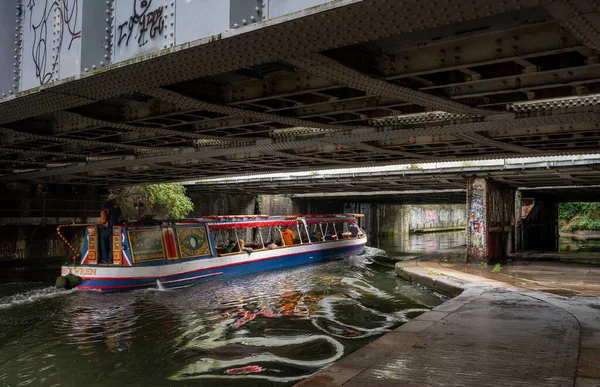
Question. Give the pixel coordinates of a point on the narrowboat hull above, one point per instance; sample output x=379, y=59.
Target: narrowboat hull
x=178, y=273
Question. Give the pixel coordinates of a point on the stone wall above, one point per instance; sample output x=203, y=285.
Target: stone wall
x=221, y=204
x=387, y=218
x=24, y=203
x=280, y=205
x=427, y=217
x=33, y=242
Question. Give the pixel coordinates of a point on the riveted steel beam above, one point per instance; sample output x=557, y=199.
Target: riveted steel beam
x=481, y=139
x=571, y=76
x=189, y=102
x=346, y=137
x=299, y=33
x=376, y=149
x=40, y=153
x=66, y=140
x=581, y=18
x=327, y=68
x=315, y=159
x=238, y=164
x=138, y=128
x=468, y=52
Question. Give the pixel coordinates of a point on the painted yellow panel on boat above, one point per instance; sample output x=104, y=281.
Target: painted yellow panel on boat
x=146, y=245
x=192, y=242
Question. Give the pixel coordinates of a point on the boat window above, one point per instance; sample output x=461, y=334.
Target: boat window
x=299, y=239
x=259, y=239
x=274, y=235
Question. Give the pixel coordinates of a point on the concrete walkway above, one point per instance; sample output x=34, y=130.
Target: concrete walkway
x=495, y=333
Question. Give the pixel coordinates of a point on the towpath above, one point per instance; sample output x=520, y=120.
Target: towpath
x=529, y=325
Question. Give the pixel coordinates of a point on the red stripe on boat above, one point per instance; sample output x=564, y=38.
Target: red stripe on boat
x=170, y=242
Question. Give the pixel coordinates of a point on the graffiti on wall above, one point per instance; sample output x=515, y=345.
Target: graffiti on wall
x=66, y=14
x=430, y=216
x=477, y=222
x=13, y=250
x=143, y=25
x=526, y=207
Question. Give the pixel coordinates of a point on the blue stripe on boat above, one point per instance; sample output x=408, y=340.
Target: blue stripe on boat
x=189, y=278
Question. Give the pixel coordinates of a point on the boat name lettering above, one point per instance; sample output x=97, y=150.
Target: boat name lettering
x=79, y=271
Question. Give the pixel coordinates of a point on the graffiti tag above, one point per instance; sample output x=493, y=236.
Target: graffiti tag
x=143, y=25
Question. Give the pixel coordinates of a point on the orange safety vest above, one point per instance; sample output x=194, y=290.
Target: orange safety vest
x=288, y=237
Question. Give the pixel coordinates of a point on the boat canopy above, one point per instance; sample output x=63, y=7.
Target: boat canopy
x=228, y=225
x=329, y=220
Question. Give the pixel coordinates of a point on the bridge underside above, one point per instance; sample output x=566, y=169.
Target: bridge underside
x=351, y=83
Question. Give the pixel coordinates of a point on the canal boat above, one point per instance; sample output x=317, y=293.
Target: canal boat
x=179, y=253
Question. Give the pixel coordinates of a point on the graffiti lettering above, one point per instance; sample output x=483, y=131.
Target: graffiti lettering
x=146, y=24
x=68, y=13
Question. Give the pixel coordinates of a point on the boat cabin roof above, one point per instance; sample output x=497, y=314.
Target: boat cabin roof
x=249, y=221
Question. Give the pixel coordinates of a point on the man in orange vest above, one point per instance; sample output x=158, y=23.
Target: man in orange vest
x=288, y=236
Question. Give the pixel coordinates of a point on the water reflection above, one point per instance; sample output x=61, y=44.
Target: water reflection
x=270, y=328
x=416, y=244
x=579, y=243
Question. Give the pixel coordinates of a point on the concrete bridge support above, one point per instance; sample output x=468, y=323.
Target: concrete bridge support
x=490, y=220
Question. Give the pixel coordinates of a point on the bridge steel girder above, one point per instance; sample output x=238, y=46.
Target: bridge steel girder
x=345, y=82
x=465, y=52
x=343, y=137
x=189, y=103
x=514, y=175
x=327, y=68
x=288, y=36
x=480, y=139
x=581, y=18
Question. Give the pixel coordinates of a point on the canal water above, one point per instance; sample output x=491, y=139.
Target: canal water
x=272, y=328
x=412, y=245
x=579, y=243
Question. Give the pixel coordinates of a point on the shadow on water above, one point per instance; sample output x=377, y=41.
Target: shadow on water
x=271, y=328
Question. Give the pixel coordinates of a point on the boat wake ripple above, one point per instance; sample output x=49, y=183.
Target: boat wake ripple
x=32, y=296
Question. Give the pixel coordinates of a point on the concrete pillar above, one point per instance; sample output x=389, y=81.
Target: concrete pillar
x=490, y=219
x=518, y=238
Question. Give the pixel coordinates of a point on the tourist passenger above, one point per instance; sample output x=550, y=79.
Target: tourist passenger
x=272, y=245
x=340, y=236
x=243, y=247
x=329, y=236
x=104, y=234
x=229, y=248
x=313, y=237
x=288, y=236
x=354, y=230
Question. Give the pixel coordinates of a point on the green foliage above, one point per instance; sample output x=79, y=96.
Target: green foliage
x=258, y=209
x=171, y=196
x=579, y=216
x=484, y=265
x=497, y=268
x=567, y=211
x=582, y=223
